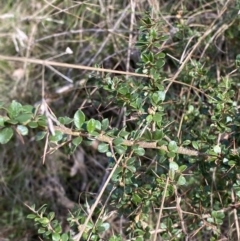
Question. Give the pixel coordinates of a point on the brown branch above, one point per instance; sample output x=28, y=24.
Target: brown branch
x=65, y=65
x=83, y=67
x=143, y=144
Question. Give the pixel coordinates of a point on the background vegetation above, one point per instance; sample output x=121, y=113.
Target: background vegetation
x=169, y=120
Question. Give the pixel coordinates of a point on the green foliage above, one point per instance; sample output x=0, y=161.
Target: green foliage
x=48, y=227
x=23, y=117
x=170, y=153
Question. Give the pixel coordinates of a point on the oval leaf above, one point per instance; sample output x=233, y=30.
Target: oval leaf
x=14, y=109
x=103, y=147
x=120, y=149
x=172, y=146
x=22, y=129
x=79, y=119
x=118, y=141
x=173, y=166
x=105, y=124
x=33, y=124
x=217, y=149
x=6, y=135
x=139, y=151
x=24, y=118
x=57, y=137
x=65, y=120
x=98, y=125
x=181, y=180
x=91, y=126
x=64, y=237
x=77, y=141
x=40, y=135
x=55, y=237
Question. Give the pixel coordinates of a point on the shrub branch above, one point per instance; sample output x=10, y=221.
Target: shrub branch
x=143, y=144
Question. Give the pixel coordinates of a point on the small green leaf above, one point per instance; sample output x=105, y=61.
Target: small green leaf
x=217, y=215
x=132, y=168
x=24, y=118
x=116, y=175
x=41, y=230
x=161, y=95
x=161, y=55
x=28, y=109
x=103, y=147
x=171, y=154
x=155, y=98
x=55, y=237
x=160, y=63
x=231, y=163
x=105, y=124
x=57, y=137
x=157, y=117
x=40, y=135
x=44, y=220
x=65, y=120
x=186, y=142
x=64, y=237
x=217, y=149
x=149, y=118
x=172, y=146
x=182, y=168
x=173, y=166
x=5, y=135
x=22, y=129
x=124, y=134
x=42, y=121
x=181, y=180
x=31, y=216
x=79, y=119
x=103, y=227
x=147, y=135
x=47, y=233
x=14, y=109
x=91, y=125
x=98, y=125
x=57, y=226
x=11, y=121
x=158, y=135
x=139, y=151
x=33, y=124
x=77, y=141
x=120, y=149
x=51, y=215
x=123, y=90
x=162, y=143
x=33, y=206
x=210, y=220
x=195, y=145
x=140, y=238
x=136, y=199
x=118, y=141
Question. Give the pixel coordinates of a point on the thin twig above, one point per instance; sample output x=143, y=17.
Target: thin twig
x=78, y=236
x=65, y=65
x=161, y=209
x=211, y=28
x=83, y=67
